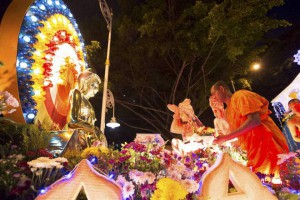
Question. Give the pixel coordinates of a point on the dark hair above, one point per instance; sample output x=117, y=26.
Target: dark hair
x=293, y=101
x=221, y=83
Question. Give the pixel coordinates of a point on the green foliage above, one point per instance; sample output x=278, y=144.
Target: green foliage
x=73, y=157
x=10, y=131
x=35, y=138
x=93, y=54
x=165, y=51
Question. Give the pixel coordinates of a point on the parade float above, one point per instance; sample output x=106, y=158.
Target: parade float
x=42, y=64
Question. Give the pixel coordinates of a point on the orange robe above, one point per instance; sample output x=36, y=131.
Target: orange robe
x=264, y=142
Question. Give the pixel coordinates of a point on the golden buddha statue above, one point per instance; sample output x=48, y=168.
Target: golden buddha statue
x=82, y=112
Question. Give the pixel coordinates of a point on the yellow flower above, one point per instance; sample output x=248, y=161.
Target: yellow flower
x=169, y=189
x=95, y=151
x=91, y=151
x=103, y=149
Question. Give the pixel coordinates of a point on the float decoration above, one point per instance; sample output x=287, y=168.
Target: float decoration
x=50, y=56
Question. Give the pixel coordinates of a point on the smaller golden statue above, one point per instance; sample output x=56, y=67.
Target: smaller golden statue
x=82, y=112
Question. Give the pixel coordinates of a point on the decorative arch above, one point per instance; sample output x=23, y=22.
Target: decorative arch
x=46, y=58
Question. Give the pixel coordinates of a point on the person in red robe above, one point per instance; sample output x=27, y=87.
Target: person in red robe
x=248, y=116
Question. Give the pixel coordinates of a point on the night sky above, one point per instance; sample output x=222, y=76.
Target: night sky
x=266, y=84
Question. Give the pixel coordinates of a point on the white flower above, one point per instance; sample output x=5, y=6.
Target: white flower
x=61, y=159
x=43, y=159
x=128, y=189
x=33, y=169
x=190, y=185
x=39, y=172
x=59, y=166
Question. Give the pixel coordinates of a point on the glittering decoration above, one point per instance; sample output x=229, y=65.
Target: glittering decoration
x=50, y=47
x=297, y=57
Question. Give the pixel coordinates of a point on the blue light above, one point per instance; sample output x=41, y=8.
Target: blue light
x=70, y=15
x=34, y=18
x=49, y=2
x=111, y=175
x=57, y=3
x=26, y=38
x=43, y=191
x=42, y=7
x=30, y=116
x=64, y=7
x=23, y=65
x=68, y=176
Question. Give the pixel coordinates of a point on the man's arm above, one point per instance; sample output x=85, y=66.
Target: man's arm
x=252, y=121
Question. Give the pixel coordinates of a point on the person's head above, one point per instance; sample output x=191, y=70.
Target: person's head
x=220, y=91
x=293, y=104
x=89, y=83
x=217, y=107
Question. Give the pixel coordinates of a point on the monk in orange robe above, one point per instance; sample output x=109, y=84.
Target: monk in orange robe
x=248, y=116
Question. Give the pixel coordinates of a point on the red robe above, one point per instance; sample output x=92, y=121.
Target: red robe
x=264, y=142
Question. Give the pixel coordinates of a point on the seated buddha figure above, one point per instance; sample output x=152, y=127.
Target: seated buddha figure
x=82, y=115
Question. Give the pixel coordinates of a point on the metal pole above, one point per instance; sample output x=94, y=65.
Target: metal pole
x=107, y=14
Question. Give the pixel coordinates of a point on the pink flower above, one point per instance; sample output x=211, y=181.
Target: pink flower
x=128, y=189
x=121, y=180
x=150, y=177
x=190, y=185
x=137, y=176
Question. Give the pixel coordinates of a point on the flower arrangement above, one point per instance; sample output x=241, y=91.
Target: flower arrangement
x=7, y=102
x=45, y=171
x=150, y=171
x=290, y=169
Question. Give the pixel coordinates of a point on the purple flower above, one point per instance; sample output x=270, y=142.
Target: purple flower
x=124, y=158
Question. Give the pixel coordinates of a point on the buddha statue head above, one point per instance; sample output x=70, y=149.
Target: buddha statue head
x=88, y=83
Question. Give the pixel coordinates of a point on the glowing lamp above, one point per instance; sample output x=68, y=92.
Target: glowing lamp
x=30, y=116
x=256, y=66
x=26, y=38
x=34, y=18
x=113, y=123
x=42, y=7
x=49, y=2
x=23, y=64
